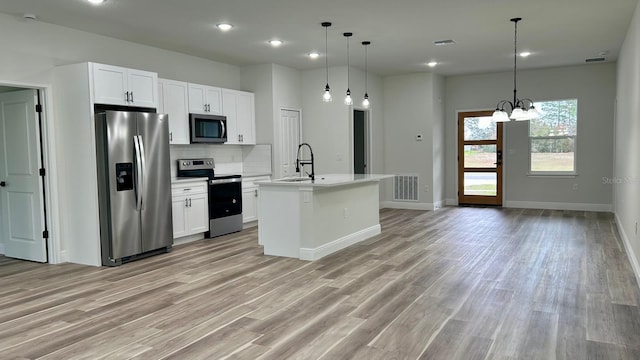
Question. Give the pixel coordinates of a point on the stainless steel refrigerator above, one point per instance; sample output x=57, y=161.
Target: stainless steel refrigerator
x=134, y=185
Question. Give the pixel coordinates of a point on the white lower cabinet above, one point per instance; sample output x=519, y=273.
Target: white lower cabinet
x=190, y=207
x=250, y=196
x=250, y=204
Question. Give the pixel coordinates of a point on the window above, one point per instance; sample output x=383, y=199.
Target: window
x=552, y=138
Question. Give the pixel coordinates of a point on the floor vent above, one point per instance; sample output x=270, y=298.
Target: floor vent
x=405, y=188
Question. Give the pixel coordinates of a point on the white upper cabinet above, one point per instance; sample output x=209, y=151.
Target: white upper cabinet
x=239, y=109
x=174, y=101
x=205, y=99
x=116, y=85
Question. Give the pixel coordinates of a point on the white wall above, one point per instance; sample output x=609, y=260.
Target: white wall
x=328, y=126
x=259, y=80
x=413, y=104
x=31, y=49
x=627, y=142
x=439, y=146
x=594, y=87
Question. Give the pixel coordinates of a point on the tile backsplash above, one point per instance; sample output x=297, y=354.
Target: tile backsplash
x=229, y=159
x=256, y=159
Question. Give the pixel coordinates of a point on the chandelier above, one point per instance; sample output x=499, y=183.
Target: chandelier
x=521, y=109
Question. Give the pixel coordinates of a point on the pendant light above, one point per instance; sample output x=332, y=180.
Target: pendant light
x=521, y=109
x=347, y=100
x=365, y=100
x=326, y=97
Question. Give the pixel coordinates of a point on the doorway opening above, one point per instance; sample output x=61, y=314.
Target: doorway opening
x=24, y=232
x=361, y=142
x=479, y=159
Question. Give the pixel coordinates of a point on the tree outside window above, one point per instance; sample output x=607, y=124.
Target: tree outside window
x=552, y=137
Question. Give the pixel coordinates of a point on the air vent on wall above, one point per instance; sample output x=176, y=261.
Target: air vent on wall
x=444, y=42
x=598, y=59
x=405, y=188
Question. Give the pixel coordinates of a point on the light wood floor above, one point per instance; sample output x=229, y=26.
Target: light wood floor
x=459, y=283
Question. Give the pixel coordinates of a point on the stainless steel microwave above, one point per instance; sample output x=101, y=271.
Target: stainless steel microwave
x=207, y=128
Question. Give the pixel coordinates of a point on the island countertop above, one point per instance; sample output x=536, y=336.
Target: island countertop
x=324, y=180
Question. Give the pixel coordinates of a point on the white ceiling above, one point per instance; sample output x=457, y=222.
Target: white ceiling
x=558, y=32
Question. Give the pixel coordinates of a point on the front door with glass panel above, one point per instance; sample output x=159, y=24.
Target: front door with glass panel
x=479, y=159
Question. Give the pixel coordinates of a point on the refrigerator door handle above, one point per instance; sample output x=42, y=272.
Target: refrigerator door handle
x=136, y=145
x=144, y=168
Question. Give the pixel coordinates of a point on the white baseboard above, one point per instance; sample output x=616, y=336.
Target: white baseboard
x=64, y=257
x=1, y=249
x=407, y=205
x=250, y=224
x=558, y=206
x=339, y=244
x=451, y=202
x=187, y=239
x=627, y=246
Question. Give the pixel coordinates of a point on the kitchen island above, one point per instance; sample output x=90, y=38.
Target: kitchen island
x=307, y=219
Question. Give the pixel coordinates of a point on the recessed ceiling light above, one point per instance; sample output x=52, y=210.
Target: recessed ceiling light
x=275, y=42
x=432, y=63
x=525, y=54
x=224, y=27
x=96, y=2
x=30, y=17
x=314, y=55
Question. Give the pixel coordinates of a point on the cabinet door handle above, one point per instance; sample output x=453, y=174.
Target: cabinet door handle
x=126, y=96
x=131, y=96
x=170, y=136
x=256, y=192
x=189, y=202
x=186, y=202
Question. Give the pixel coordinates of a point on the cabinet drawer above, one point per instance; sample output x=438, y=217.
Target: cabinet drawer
x=189, y=188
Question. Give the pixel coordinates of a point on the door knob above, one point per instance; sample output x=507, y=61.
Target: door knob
x=3, y=184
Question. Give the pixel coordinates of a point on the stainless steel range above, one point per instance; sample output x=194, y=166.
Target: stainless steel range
x=225, y=195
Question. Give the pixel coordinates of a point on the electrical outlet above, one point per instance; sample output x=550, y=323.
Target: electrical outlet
x=338, y=157
x=426, y=188
x=345, y=213
x=636, y=228
x=575, y=186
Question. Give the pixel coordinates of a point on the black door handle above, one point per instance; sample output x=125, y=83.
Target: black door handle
x=3, y=184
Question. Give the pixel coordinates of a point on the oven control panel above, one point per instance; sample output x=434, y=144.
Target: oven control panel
x=196, y=164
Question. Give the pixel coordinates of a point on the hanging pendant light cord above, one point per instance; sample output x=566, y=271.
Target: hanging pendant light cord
x=515, y=62
x=365, y=69
x=326, y=52
x=348, y=87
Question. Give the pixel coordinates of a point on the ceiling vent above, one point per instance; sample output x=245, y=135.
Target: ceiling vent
x=598, y=59
x=444, y=42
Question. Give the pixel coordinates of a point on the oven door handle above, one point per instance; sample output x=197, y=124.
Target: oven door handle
x=224, y=181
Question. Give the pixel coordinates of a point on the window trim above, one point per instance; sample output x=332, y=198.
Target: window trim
x=556, y=174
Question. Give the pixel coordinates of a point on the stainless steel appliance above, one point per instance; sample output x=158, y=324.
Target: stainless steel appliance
x=134, y=185
x=225, y=195
x=208, y=128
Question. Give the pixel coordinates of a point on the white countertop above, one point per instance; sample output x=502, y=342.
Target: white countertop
x=187, y=179
x=326, y=180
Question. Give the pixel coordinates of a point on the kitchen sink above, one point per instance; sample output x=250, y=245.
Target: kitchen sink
x=297, y=179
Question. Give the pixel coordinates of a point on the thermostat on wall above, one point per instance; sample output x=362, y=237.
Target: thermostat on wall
x=419, y=137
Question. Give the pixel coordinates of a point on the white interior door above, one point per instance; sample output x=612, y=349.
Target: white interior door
x=20, y=198
x=289, y=139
